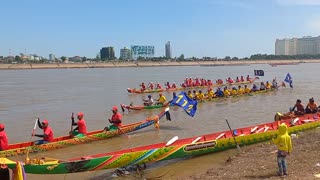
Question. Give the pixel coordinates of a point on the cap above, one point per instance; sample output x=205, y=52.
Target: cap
x=149, y=96
x=80, y=114
x=1, y=126
x=114, y=108
x=45, y=122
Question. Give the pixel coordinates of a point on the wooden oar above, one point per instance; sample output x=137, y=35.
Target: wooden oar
x=71, y=129
x=238, y=147
x=33, y=131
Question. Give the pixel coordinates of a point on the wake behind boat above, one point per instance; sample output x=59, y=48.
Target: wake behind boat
x=64, y=141
x=174, y=148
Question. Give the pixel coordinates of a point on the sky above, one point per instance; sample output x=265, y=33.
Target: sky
x=214, y=28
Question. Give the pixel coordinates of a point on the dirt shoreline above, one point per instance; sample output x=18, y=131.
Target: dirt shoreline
x=147, y=64
x=259, y=161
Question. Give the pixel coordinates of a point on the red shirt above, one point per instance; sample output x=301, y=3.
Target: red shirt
x=82, y=127
x=3, y=140
x=48, y=131
x=117, y=116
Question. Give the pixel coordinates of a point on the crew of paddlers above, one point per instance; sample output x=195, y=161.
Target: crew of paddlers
x=193, y=82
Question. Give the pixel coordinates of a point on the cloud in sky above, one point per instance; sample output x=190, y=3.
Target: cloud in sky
x=299, y=2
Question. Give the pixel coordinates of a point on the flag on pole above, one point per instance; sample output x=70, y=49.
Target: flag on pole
x=288, y=79
x=258, y=72
x=189, y=105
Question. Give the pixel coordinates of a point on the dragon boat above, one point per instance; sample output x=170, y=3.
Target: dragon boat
x=174, y=148
x=140, y=91
x=64, y=141
x=143, y=107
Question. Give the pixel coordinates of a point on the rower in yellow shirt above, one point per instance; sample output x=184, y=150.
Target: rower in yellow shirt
x=226, y=92
x=240, y=90
x=195, y=94
x=211, y=94
x=234, y=91
x=162, y=99
x=200, y=96
x=268, y=85
x=190, y=95
x=246, y=89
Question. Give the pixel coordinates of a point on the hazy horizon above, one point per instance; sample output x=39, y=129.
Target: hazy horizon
x=215, y=28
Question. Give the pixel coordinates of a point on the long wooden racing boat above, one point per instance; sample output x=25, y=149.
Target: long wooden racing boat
x=64, y=141
x=139, y=91
x=172, y=149
x=143, y=107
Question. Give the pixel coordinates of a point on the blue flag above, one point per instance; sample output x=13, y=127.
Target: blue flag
x=258, y=72
x=189, y=105
x=288, y=79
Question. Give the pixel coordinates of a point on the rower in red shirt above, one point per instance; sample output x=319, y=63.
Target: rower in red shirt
x=3, y=139
x=143, y=87
x=47, y=133
x=242, y=79
x=151, y=85
x=116, y=120
x=168, y=85
x=159, y=86
x=81, y=129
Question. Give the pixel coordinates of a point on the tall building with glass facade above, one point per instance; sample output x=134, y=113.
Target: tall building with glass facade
x=168, y=50
x=107, y=53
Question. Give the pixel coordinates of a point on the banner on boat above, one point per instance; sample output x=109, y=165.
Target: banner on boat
x=258, y=72
x=189, y=105
x=288, y=79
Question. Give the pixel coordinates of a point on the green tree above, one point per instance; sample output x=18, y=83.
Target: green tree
x=63, y=58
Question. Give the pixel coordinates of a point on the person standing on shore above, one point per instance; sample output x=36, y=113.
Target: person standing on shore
x=283, y=140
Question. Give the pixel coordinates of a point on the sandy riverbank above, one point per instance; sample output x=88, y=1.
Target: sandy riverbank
x=145, y=64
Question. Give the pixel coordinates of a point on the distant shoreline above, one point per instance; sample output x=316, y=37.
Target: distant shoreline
x=116, y=64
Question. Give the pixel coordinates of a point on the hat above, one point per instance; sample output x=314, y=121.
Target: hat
x=1, y=126
x=80, y=114
x=114, y=108
x=45, y=122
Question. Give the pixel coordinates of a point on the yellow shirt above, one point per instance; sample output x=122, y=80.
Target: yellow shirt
x=240, y=91
x=162, y=99
x=190, y=96
x=246, y=90
x=211, y=94
x=234, y=92
x=268, y=86
x=226, y=92
x=200, y=96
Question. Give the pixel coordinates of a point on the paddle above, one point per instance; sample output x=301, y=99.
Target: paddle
x=33, y=131
x=72, y=120
x=238, y=147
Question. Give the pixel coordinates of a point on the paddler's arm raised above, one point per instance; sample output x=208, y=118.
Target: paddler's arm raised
x=39, y=124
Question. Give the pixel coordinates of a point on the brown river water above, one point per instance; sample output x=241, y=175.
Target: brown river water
x=54, y=94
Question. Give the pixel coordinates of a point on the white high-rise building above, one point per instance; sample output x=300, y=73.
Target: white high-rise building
x=168, y=50
x=298, y=46
x=125, y=54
